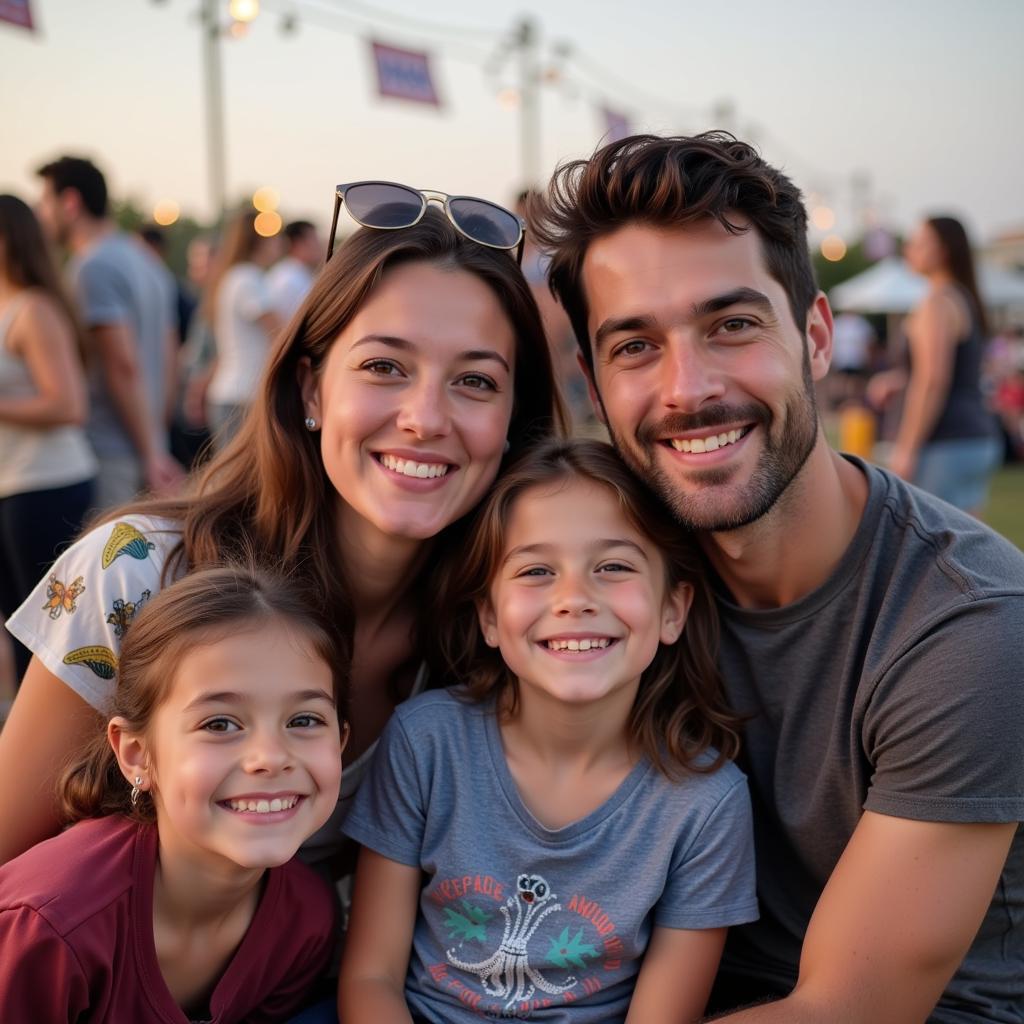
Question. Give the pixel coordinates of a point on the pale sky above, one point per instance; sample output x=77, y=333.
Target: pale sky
x=925, y=96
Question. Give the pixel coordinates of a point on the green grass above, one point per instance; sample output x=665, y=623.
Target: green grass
x=1005, y=511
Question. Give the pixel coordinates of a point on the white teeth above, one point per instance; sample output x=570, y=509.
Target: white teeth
x=421, y=470
x=586, y=644
x=699, y=445
x=264, y=806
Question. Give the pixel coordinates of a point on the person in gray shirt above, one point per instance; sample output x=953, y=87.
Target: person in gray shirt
x=871, y=633
x=126, y=303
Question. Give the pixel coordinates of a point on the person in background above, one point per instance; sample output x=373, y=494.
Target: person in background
x=47, y=469
x=130, y=344
x=290, y=279
x=239, y=306
x=946, y=442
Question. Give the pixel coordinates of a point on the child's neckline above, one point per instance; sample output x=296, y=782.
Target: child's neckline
x=574, y=829
x=157, y=992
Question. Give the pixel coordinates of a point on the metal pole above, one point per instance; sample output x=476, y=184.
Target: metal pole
x=529, y=103
x=214, y=98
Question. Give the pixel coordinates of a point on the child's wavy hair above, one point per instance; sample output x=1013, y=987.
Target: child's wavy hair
x=680, y=709
x=197, y=610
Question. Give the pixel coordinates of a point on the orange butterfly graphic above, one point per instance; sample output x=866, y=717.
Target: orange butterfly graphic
x=62, y=598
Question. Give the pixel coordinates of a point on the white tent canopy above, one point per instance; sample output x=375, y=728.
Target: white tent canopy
x=891, y=287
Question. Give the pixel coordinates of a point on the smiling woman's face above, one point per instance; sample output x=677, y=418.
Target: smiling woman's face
x=414, y=400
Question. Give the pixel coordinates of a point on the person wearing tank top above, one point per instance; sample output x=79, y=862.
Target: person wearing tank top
x=947, y=442
x=46, y=465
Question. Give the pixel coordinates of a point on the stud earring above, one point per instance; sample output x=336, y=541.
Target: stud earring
x=310, y=423
x=508, y=444
x=136, y=790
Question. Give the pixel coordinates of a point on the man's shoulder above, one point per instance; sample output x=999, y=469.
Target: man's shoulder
x=923, y=540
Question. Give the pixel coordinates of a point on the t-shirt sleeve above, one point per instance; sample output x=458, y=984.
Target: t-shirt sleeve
x=945, y=725
x=389, y=811
x=76, y=617
x=711, y=883
x=40, y=977
x=102, y=294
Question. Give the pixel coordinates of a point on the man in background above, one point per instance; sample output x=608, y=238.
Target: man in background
x=290, y=279
x=127, y=310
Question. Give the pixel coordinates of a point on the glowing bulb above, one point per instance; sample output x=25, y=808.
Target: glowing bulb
x=244, y=10
x=833, y=248
x=267, y=224
x=166, y=212
x=238, y=29
x=823, y=218
x=508, y=99
x=265, y=199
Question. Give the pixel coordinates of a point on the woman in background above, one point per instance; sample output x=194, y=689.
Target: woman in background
x=46, y=464
x=241, y=310
x=946, y=442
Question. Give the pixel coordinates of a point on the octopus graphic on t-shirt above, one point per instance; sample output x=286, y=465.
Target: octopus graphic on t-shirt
x=507, y=973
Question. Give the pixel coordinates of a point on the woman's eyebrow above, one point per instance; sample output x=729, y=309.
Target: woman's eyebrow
x=404, y=345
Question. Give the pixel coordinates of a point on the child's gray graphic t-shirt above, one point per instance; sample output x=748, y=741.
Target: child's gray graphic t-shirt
x=520, y=921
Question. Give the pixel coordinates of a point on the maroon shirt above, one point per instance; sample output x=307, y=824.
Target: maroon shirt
x=76, y=935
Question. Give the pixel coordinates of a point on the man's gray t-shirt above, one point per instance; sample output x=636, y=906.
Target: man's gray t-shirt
x=518, y=920
x=117, y=282
x=896, y=687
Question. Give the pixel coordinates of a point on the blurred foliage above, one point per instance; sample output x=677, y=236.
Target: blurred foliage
x=130, y=216
x=830, y=274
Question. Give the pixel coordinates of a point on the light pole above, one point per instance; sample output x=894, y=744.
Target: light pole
x=213, y=92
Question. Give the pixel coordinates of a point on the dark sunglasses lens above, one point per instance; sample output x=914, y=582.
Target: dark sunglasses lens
x=378, y=205
x=485, y=222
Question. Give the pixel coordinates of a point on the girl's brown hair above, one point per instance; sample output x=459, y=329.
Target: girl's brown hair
x=197, y=610
x=268, y=488
x=680, y=710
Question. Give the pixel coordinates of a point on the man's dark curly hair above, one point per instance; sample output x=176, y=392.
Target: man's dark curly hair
x=671, y=182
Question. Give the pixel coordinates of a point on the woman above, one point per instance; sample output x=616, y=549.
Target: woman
x=46, y=464
x=416, y=365
x=946, y=442
x=239, y=306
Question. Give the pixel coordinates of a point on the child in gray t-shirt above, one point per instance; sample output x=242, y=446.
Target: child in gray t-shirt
x=563, y=838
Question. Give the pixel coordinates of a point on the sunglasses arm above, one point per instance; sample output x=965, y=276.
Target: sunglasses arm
x=334, y=226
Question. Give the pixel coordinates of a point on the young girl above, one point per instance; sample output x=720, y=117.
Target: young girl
x=584, y=841
x=223, y=754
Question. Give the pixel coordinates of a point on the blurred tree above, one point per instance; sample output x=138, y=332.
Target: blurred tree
x=830, y=274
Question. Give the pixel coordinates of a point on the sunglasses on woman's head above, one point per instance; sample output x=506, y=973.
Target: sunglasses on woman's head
x=388, y=206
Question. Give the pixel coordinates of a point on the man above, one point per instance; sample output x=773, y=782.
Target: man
x=872, y=633
x=126, y=305
x=290, y=279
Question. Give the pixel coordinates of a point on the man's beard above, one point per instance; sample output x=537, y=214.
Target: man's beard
x=711, y=503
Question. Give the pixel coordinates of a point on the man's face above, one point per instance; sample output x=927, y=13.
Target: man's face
x=52, y=214
x=705, y=380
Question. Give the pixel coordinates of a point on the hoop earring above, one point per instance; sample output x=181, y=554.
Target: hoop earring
x=136, y=790
x=310, y=423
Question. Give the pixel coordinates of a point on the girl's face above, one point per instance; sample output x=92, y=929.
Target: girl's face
x=579, y=602
x=414, y=400
x=244, y=754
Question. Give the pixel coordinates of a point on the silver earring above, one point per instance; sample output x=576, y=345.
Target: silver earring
x=508, y=444
x=136, y=790
x=310, y=423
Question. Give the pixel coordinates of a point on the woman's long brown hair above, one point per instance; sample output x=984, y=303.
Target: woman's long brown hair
x=680, y=710
x=268, y=488
x=27, y=262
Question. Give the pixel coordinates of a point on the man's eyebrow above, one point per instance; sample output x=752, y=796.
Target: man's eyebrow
x=616, y=325
x=404, y=345
x=736, y=297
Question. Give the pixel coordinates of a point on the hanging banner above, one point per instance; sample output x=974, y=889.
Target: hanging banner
x=404, y=74
x=17, y=13
x=616, y=125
